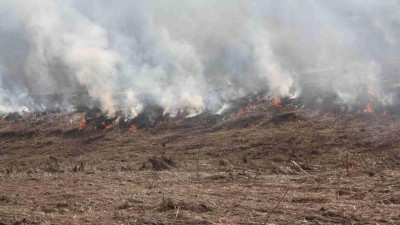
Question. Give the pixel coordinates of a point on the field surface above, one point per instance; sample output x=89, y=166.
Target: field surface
x=253, y=166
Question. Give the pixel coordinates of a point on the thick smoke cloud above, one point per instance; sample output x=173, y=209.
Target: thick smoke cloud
x=195, y=55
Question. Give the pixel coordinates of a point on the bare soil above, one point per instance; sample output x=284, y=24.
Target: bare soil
x=287, y=166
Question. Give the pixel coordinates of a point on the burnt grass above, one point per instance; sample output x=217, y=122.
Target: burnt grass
x=287, y=166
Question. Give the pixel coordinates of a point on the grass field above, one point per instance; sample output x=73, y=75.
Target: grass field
x=288, y=166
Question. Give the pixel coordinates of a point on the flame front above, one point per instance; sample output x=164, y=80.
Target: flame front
x=373, y=95
x=163, y=122
x=133, y=128
x=108, y=126
x=369, y=108
x=277, y=103
x=82, y=124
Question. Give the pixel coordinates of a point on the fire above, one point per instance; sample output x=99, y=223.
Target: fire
x=82, y=124
x=118, y=121
x=95, y=128
x=277, y=103
x=369, y=108
x=373, y=95
x=242, y=111
x=133, y=128
x=163, y=122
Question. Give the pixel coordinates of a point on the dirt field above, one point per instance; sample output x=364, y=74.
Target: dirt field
x=289, y=166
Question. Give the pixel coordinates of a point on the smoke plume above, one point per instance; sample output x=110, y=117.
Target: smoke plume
x=190, y=56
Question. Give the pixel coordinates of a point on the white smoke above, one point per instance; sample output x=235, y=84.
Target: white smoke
x=279, y=80
x=58, y=33
x=189, y=56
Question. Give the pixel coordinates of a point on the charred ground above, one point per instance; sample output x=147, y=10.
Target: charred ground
x=255, y=163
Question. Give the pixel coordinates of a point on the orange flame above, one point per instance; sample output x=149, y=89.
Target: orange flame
x=163, y=122
x=373, y=95
x=95, y=128
x=369, y=108
x=243, y=110
x=82, y=124
x=133, y=128
x=277, y=103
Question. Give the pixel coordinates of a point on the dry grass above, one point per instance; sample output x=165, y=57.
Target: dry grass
x=347, y=171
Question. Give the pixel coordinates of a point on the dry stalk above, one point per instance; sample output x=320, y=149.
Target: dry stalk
x=177, y=212
x=244, y=165
x=277, y=205
x=10, y=170
x=298, y=166
x=347, y=164
x=256, y=176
